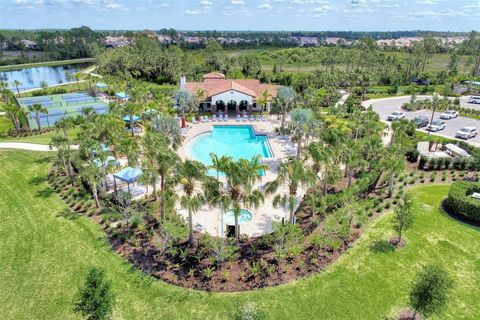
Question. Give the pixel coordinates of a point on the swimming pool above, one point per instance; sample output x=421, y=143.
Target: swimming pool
x=235, y=141
x=229, y=217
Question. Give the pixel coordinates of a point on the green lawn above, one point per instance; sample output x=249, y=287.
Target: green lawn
x=45, y=253
x=43, y=138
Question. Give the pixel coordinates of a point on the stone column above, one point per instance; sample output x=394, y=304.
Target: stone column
x=250, y=108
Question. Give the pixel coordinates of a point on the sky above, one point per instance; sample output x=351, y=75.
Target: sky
x=288, y=15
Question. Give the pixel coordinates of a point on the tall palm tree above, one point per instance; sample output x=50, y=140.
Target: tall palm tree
x=65, y=155
x=17, y=84
x=168, y=127
x=132, y=109
x=5, y=93
x=241, y=176
x=38, y=109
x=130, y=148
x=90, y=173
x=393, y=163
x=191, y=177
x=292, y=174
x=263, y=100
x=14, y=113
x=331, y=175
x=64, y=125
x=302, y=121
x=286, y=98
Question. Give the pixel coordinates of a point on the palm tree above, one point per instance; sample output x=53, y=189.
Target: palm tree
x=241, y=175
x=14, y=113
x=263, y=100
x=302, y=121
x=90, y=173
x=185, y=102
x=17, y=84
x=293, y=175
x=131, y=109
x=65, y=155
x=393, y=164
x=130, y=148
x=43, y=84
x=191, y=176
x=37, y=109
x=64, y=125
x=168, y=127
x=5, y=93
x=77, y=77
x=286, y=98
x=330, y=176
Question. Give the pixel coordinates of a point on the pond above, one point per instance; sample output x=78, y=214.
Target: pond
x=31, y=77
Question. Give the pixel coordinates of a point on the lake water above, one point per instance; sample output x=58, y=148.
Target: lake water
x=31, y=77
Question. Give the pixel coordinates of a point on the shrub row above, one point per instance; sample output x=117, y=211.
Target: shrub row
x=461, y=202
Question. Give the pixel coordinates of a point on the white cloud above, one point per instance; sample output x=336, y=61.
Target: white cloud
x=191, y=12
x=324, y=8
x=206, y=3
x=265, y=6
x=238, y=2
x=115, y=6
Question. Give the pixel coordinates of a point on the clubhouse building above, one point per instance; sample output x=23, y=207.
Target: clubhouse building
x=229, y=95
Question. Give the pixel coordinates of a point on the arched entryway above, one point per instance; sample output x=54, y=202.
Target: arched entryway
x=243, y=105
x=220, y=105
x=232, y=105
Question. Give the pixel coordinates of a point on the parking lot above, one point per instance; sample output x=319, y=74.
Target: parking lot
x=386, y=106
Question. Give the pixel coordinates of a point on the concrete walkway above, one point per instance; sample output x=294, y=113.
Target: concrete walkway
x=28, y=146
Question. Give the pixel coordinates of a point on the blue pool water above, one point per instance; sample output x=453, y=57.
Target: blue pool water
x=235, y=141
x=229, y=217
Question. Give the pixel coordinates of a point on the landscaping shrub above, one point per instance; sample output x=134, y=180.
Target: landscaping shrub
x=461, y=202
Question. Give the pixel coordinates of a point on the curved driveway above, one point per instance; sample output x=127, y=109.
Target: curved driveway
x=386, y=106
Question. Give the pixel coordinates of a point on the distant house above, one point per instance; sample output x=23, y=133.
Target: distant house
x=236, y=95
x=29, y=44
x=115, y=42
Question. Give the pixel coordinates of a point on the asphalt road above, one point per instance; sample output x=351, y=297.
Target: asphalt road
x=386, y=106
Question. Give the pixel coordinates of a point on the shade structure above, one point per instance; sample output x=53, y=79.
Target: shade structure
x=109, y=161
x=129, y=174
x=127, y=118
x=101, y=85
x=122, y=95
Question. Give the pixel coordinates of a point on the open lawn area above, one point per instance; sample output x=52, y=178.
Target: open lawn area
x=45, y=253
x=43, y=138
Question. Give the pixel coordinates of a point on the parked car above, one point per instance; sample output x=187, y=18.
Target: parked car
x=421, y=121
x=466, y=133
x=436, y=125
x=396, y=115
x=474, y=100
x=449, y=114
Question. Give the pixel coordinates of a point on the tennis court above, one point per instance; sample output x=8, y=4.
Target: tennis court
x=60, y=106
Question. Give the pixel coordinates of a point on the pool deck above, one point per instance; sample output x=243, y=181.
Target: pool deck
x=208, y=218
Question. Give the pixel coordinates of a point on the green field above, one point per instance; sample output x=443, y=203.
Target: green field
x=45, y=253
x=43, y=138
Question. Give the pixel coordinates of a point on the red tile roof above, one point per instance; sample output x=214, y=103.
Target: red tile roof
x=214, y=83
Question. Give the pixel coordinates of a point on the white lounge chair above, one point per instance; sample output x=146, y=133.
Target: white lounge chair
x=214, y=118
x=207, y=119
x=238, y=118
x=252, y=118
x=225, y=117
x=264, y=118
x=194, y=120
x=245, y=118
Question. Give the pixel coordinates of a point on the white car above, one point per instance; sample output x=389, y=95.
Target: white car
x=449, y=114
x=466, y=133
x=436, y=125
x=396, y=115
x=474, y=100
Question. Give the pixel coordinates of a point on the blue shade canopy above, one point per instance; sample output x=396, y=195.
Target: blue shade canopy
x=121, y=95
x=101, y=85
x=109, y=161
x=135, y=118
x=129, y=174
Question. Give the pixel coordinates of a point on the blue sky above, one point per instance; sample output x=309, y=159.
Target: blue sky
x=382, y=15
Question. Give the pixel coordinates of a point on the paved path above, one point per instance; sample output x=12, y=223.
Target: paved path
x=28, y=146
x=385, y=106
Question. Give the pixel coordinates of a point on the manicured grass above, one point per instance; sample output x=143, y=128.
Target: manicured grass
x=43, y=138
x=45, y=64
x=45, y=254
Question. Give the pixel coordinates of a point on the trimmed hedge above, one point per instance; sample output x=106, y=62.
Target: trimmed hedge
x=460, y=201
